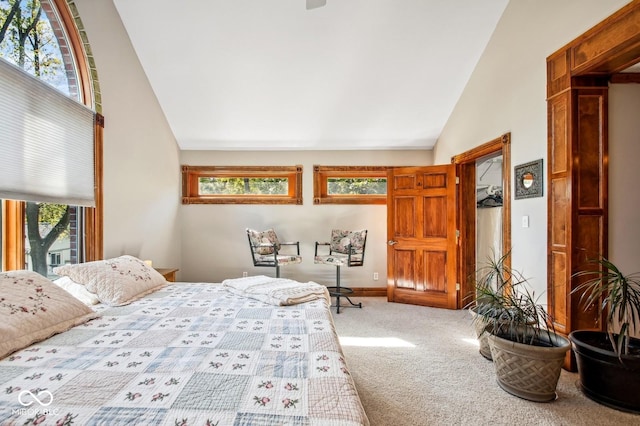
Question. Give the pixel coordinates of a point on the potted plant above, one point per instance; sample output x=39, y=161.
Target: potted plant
x=609, y=361
x=519, y=333
x=491, y=280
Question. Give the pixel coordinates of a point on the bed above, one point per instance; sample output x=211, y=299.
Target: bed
x=173, y=354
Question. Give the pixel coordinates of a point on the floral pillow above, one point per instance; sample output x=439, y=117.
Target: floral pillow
x=117, y=281
x=33, y=308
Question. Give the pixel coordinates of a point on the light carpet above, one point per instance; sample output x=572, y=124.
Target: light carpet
x=415, y=365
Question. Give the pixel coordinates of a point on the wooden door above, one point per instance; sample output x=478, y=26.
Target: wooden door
x=421, y=231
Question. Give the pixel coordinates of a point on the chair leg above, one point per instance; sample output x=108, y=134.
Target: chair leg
x=277, y=271
x=339, y=292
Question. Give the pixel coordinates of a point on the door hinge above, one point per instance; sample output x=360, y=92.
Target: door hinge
x=457, y=286
x=457, y=180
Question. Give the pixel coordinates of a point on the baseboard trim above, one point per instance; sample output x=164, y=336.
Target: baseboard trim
x=369, y=291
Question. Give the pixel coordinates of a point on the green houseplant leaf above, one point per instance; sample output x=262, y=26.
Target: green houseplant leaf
x=616, y=294
x=505, y=303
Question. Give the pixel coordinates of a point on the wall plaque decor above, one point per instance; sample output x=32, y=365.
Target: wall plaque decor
x=528, y=179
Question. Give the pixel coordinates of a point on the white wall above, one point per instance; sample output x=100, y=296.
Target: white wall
x=141, y=167
x=142, y=181
x=214, y=242
x=507, y=93
x=624, y=196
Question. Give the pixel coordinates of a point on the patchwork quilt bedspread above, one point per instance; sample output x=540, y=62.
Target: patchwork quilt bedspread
x=188, y=354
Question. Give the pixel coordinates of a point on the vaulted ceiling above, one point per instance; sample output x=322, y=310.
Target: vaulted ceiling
x=272, y=74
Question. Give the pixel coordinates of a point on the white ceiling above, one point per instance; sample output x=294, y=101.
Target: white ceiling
x=270, y=74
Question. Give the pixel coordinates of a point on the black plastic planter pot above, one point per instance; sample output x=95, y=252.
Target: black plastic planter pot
x=604, y=377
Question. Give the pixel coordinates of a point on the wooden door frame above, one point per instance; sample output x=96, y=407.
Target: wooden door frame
x=578, y=75
x=466, y=208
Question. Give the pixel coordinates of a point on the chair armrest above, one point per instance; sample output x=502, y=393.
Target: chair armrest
x=292, y=243
x=321, y=244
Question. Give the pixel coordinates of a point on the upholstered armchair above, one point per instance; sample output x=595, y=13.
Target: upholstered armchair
x=346, y=248
x=266, y=250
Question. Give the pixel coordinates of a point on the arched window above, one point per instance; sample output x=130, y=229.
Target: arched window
x=41, y=37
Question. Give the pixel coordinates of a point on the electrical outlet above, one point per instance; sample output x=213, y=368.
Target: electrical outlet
x=244, y=275
x=375, y=276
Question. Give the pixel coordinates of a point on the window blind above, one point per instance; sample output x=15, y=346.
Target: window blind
x=47, y=142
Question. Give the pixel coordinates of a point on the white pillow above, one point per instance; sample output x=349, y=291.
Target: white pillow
x=32, y=309
x=118, y=281
x=78, y=291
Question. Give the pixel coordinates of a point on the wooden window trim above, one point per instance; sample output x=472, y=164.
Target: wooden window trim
x=191, y=174
x=322, y=173
x=94, y=218
x=12, y=235
x=74, y=39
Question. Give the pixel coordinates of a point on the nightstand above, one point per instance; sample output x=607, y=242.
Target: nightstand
x=169, y=274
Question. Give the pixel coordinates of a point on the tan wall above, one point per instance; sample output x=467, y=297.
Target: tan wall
x=214, y=242
x=141, y=168
x=507, y=93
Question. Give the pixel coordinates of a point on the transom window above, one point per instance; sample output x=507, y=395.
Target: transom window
x=241, y=185
x=349, y=184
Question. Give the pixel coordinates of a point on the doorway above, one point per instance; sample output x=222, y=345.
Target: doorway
x=477, y=193
x=489, y=205
x=578, y=78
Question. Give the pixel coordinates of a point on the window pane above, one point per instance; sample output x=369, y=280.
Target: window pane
x=31, y=44
x=33, y=38
x=49, y=135
x=243, y=186
x=50, y=236
x=356, y=186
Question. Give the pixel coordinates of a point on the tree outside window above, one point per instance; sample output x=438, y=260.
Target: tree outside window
x=356, y=186
x=243, y=186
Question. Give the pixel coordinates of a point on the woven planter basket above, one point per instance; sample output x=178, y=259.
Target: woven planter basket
x=482, y=335
x=527, y=371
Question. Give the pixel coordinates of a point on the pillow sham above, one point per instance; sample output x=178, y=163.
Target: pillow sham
x=78, y=291
x=32, y=309
x=118, y=281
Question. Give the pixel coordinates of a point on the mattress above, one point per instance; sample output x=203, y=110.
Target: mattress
x=188, y=354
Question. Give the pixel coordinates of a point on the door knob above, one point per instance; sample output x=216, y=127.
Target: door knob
x=391, y=242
